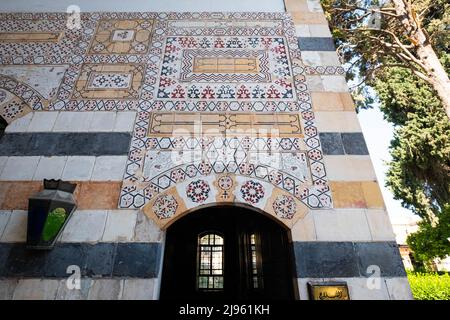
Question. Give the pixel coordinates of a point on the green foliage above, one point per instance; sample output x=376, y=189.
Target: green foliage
x=429, y=286
x=431, y=240
x=53, y=224
x=419, y=172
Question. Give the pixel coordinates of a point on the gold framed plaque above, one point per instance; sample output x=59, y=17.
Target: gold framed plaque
x=328, y=291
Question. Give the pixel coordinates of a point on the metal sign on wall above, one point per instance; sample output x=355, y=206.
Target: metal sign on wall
x=328, y=291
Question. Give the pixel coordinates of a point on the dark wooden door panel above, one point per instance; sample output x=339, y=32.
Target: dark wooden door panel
x=236, y=225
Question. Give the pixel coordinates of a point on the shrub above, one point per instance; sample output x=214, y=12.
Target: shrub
x=429, y=286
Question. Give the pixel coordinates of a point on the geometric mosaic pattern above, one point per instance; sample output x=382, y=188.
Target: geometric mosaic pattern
x=235, y=72
x=125, y=36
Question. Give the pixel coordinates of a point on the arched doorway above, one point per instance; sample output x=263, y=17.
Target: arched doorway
x=227, y=252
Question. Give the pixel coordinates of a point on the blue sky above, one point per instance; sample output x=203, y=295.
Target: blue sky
x=378, y=134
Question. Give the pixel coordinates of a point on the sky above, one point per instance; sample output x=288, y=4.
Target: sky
x=378, y=134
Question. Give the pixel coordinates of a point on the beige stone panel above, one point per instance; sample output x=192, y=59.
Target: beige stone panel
x=347, y=194
x=272, y=208
x=296, y=5
x=372, y=194
x=341, y=225
x=125, y=24
x=142, y=35
x=339, y=121
x=304, y=229
x=225, y=184
x=304, y=17
x=332, y=101
x=349, y=168
x=347, y=101
x=30, y=36
x=164, y=222
x=380, y=225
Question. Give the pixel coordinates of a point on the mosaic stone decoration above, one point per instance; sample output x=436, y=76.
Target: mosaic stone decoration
x=122, y=36
x=252, y=191
x=165, y=206
x=284, y=207
x=236, y=76
x=98, y=81
x=198, y=191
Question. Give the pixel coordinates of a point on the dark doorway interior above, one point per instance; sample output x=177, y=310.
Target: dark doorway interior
x=227, y=252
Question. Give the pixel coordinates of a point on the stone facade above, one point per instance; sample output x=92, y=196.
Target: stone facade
x=156, y=114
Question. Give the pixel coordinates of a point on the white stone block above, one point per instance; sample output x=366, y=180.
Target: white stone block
x=120, y=226
x=146, y=230
x=3, y=161
x=302, y=30
x=50, y=168
x=109, y=168
x=334, y=83
x=72, y=121
x=399, y=288
x=102, y=121
x=380, y=225
x=329, y=58
x=319, y=30
x=314, y=5
x=304, y=229
x=349, y=168
x=4, y=218
x=20, y=168
x=66, y=293
x=364, y=289
x=78, y=168
x=20, y=124
x=337, y=121
x=110, y=289
x=16, y=229
x=341, y=225
x=125, y=121
x=85, y=226
x=314, y=82
x=303, y=287
x=7, y=287
x=311, y=58
x=36, y=289
x=43, y=121
x=138, y=289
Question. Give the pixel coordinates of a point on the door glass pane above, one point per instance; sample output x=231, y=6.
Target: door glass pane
x=210, y=262
x=255, y=267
